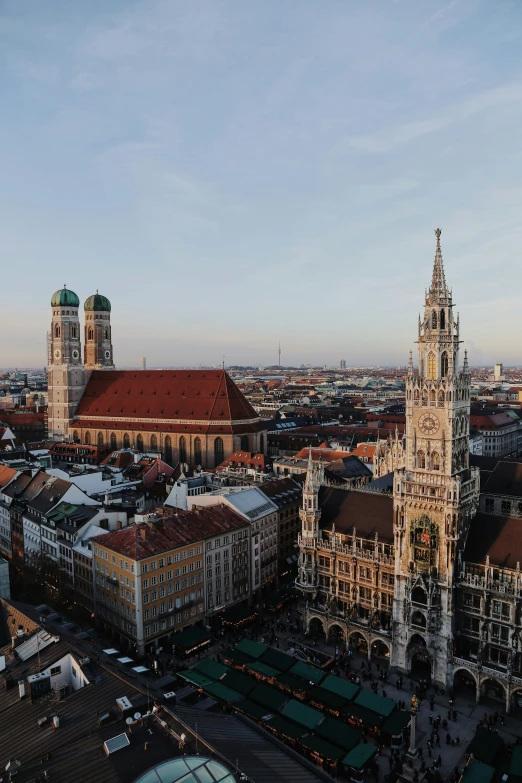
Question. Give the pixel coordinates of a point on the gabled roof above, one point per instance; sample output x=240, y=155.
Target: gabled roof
x=505, y=479
x=500, y=538
x=6, y=475
x=199, y=395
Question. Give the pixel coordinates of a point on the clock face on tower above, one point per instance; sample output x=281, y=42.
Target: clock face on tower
x=75, y=354
x=107, y=354
x=428, y=423
x=57, y=353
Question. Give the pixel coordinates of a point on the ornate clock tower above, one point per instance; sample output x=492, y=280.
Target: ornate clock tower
x=435, y=493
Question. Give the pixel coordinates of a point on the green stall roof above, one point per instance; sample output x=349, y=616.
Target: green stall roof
x=269, y=697
x=360, y=755
x=256, y=711
x=322, y=747
x=191, y=637
x=339, y=733
x=485, y=746
x=262, y=668
x=324, y=697
x=254, y=649
x=372, y=701
x=211, y=668
x=302, y=714
x=516, y=762
x=342, y=687
x=396, y=723
x=223, y=693
x=307, y=672
x=196, y=678
x=477, y=772
x=292, y=682
x=239, y=682
x=286, y=727
x=239, y=658
x=277, y=660
x=368, y=717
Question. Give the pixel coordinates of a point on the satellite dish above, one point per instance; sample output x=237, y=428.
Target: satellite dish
x=137, y=715
x=128, y=720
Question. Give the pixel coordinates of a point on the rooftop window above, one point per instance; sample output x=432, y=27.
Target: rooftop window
x=195, y=769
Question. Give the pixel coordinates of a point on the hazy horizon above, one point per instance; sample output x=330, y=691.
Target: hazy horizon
x=231, y=175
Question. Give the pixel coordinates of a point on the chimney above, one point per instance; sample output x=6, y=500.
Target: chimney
x=143, y=533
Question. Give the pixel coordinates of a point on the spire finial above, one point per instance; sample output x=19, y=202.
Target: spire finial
x=438, y=281
x=96, y=290
x=65, y=285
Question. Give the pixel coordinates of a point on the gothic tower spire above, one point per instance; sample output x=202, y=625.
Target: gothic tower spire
x=438, y=287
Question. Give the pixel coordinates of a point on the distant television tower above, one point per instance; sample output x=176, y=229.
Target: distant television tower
x=279, y=352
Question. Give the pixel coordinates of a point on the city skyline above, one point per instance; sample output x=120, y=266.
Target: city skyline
x=231, y=176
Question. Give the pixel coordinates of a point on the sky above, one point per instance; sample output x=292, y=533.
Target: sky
x=233, y=174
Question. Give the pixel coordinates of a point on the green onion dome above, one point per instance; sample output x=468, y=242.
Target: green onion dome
x=97, y=303
x=65, y=298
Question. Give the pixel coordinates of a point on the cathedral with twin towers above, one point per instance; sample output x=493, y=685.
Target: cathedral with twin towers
x=418, y=573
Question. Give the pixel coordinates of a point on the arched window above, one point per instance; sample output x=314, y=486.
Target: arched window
x=126, y=441
x=90, y=333
x=88, y=438
x=183, y=449
x=168, y=450
x=76, y=437
x=114, y=441
x=432, y=366
x=153, y=443
x=73, y=331
x=435, y=461
x=244, y=443
x=100, y=439
x=416, y=394
x=418, y=619
x=444, y=365
x=106, y=334
x=419, y=596
x=261, y=444
x=57, y=330
x=219, y=451
x=421, y=460
x=433, y=396
x=442, y=319
x=197, y=451
x=139, y=442
x=434, y=320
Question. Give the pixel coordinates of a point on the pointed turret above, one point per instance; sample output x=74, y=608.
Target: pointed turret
x=438, y=286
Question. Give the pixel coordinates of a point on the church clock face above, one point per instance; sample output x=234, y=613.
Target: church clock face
x=429, y=423
x=107, y=354
x=75, y=354
x=57, y=354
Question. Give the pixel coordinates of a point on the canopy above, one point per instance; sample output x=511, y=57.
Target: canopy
x=307, y=672
x=396, y=723
x=322, y=747
x=286, y=727
x=239, y=682
x=302, y=714
x=372, y=701
x=360, y=755
x=211, y=668
x=269, y=697
x=339, y=733
x=253, y=710
x=248, y=647
x=342, y=687
x=191, y=638
x=263, y=669
x=325, y=698
x=277, y=659
x=516, y=762
x=221, y=691
x=485, y=746
x=196, y=678
x=477, y=772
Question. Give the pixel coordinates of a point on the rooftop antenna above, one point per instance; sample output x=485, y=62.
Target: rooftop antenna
x=223, y=362
x=279, y=352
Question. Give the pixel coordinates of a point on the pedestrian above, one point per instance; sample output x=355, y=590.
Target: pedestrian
x=430, y=719
x=448, y=739
x=437, y=740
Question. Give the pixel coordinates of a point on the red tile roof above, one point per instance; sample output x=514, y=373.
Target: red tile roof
x=6, y=475
x=186, y=395
x=246, y=459
x=326, y=455
x=171, y=531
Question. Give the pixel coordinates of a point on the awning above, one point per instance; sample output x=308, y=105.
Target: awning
x=360, y=755
x=302, y=714
x=342, y=687
x=285, y=727
x=191, y=638
x=516, y=762
x=248, y=647
x=318, y=695
x=396, y=723
x=477, y=772
x=223, y=693
x=485, y=746
x=196, y=678
x=339, y=733
x=253, y=710
x=323, y=748
x=277, y=659
x=263, y=669
x=239, y=682
x=307, y=672
x=372, y=701
x=368, y=717
x=268, y=697
x=211, y=668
